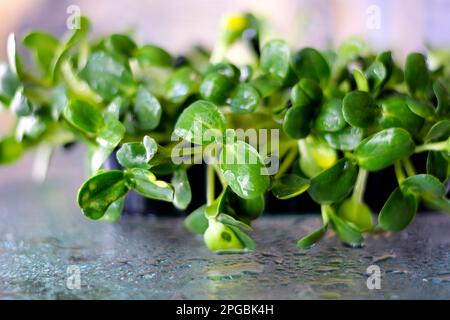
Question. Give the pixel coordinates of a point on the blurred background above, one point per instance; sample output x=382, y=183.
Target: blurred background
x=177, y=25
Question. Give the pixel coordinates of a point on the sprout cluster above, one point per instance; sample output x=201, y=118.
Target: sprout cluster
x=341, y=114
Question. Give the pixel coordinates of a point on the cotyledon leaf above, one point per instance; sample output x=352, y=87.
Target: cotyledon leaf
x=384, y=148
x=243, y=169
x=146, y=184
x=100, y=191
x=200, y=123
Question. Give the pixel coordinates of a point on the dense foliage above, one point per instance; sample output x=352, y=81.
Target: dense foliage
x=341, y=114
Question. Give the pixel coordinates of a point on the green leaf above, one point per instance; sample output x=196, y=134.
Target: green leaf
x=59, y=100
x=398, y=211
x=309, y=240
x=61, y=55
x=395, y=113
x=359, y=109
x=423, y=185
x=275, y=58
x=384, y=148
x=111, y=134
x=248, y=242
x=438, y=132
x=216, y=87
x=289, y=186
x=107, y=138
x=266, y=85
x=376, y=74
x=100, y=191
x=245, y=98
x=44, y=46
x=443, y=98
x=117, y=107
x=330, y=117
x=96, y=156
x=357, y=213
x=84, y=116
x=20, y=104
x=180, y=85
x=182, y=189
x=361, y=82
x=315, y=155
x=8, y=84
x=306, y=92
x=243, y=169
x=297, y=121
x=10, y=150
x=146, y=184
x=228, y=70
x=137, y=154
x=120, y=44
x=423, y=109
x=200, y=119
x=114, y=211
x=437, y=165
x=416, y=73
x=308, y=166
x=346, y=139
x=249, y=209
x=348, y=234
x=147, y=109
x=439, y=204
x=151, y=147
x=386, y=59
x=150, y=55
x=76, y=86
x=107, y=76
x=218, y=204
x=351, y=48
x=309, y=63
x=333, y=184
x=133, y=155
x=230, y=221
x=197, y=222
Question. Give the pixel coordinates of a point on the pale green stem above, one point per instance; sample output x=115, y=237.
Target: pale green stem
x=221, y=177
x=360, y=186
x=327, y=211
x=210, y=192
x=399, y=172
x=436, y=146
x=287, y=162
x=302, y=147
x=79, y=87
x=409, y=167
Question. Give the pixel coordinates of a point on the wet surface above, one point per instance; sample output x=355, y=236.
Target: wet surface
x=42, y=235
